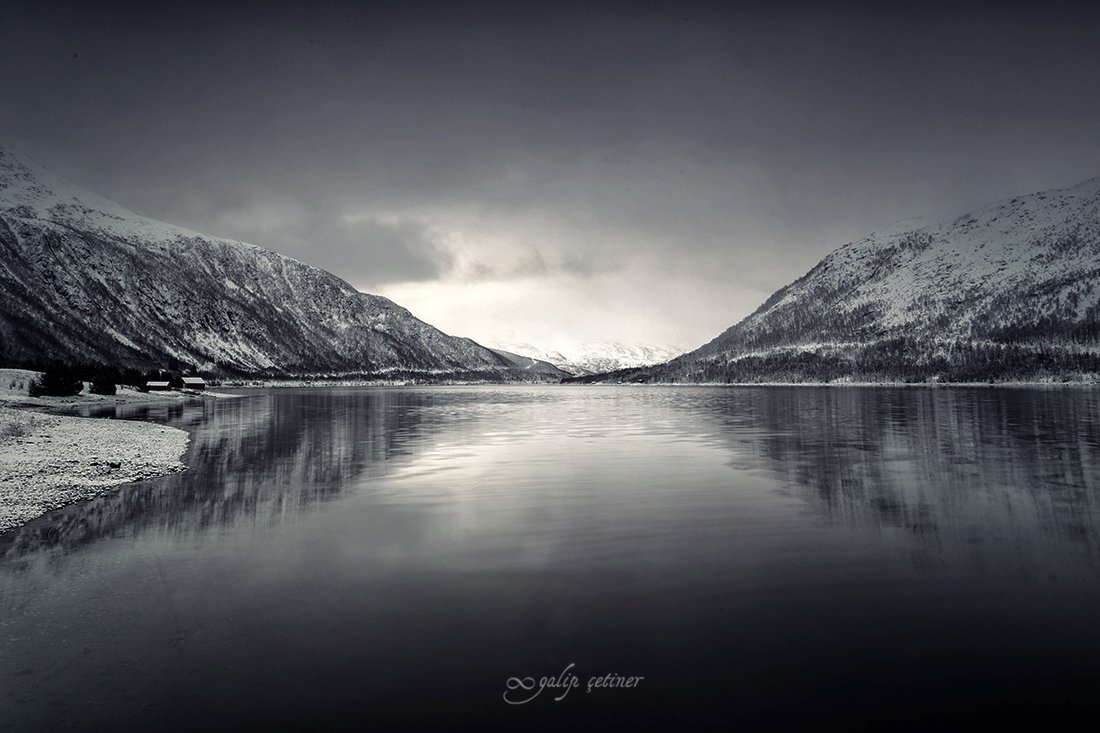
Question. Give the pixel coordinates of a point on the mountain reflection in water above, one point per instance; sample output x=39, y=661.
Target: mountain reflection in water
x=838, y=558
x=1001, y=480
x=259, y=459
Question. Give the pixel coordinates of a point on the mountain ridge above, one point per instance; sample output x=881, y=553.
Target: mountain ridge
x=89, y=281
x=1009, y=290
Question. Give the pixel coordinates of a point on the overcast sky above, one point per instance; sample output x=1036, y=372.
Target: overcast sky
x=551, y=172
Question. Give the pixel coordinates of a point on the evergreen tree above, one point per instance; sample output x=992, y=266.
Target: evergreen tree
x=57, y=380
x=103, y=383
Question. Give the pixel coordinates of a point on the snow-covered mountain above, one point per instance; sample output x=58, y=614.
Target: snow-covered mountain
x=1007, y=291
x=543, y=369
x=85, y=280
x=592, y=358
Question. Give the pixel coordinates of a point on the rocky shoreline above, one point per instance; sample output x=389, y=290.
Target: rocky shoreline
x=48, y=461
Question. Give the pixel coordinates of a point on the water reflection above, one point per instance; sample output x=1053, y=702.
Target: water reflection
x=994, y=480
x=998, y=480
x=334, y=558
x=258, y=459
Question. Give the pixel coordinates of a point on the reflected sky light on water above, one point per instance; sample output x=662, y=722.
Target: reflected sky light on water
x=331, y=556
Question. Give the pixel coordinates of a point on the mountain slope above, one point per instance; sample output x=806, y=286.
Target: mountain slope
x=534, y=366
x=1008, y=291
x=85, y=280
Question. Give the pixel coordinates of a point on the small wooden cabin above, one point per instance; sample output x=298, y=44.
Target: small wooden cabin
x=194, y=383
x=158, y=386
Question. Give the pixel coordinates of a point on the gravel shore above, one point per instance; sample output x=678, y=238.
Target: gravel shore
x=48, y=461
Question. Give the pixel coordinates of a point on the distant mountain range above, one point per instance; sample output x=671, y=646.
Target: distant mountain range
x=1009, y=291
x=535, y=368
x=86, y=281
x=593, y=358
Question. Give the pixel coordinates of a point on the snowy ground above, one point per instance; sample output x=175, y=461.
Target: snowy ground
x=48, y=461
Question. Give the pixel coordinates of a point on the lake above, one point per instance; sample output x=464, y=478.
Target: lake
x=422, y=558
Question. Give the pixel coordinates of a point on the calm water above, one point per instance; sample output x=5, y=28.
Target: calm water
x=388, y=558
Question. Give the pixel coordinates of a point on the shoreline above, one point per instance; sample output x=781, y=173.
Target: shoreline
x=931, y=385
x=284, y=384
x=49, y=461
x=124, y=396
x=50, y=458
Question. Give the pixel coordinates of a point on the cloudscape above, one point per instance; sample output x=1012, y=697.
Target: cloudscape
x=553, y=172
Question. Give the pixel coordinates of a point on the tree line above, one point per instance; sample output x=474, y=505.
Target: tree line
x=889, y=360
x=59, y=379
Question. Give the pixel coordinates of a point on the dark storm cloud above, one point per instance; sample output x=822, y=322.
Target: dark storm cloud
x=706, y=141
